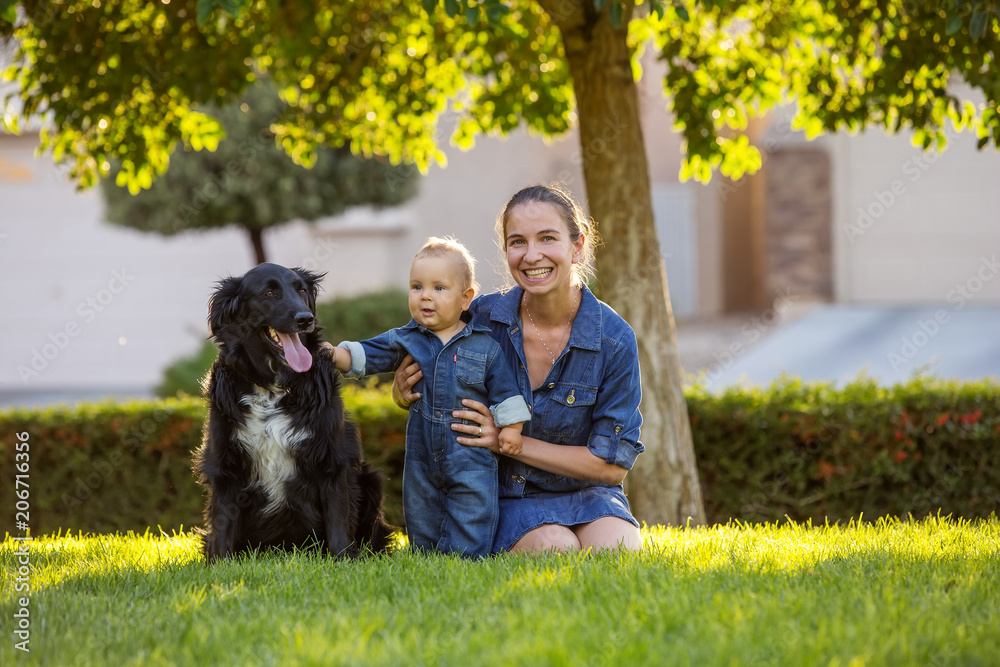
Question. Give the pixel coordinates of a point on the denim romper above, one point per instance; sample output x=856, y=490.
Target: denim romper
x=589, y=399
x=449, y=490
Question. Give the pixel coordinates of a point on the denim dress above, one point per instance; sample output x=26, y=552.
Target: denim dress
x=449, y=490
x=589, y=399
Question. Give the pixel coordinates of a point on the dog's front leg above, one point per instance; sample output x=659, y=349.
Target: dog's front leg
x=224, y=514
x=340, y=513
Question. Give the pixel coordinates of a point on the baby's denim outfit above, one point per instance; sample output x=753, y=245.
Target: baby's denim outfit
x=450, y=492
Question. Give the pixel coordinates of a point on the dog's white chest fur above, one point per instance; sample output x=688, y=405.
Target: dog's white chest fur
x=268, y=437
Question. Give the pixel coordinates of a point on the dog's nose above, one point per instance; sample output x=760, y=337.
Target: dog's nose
x=304, y=320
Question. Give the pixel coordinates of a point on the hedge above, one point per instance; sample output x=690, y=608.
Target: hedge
x=815, y=452
x=107, y=467
x=805, y=452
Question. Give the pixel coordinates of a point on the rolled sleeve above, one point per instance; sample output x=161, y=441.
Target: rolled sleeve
x=616, y=449
x=358, y=361
x=617, y=420
x=514, y=410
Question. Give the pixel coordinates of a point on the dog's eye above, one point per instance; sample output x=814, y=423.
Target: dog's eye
x=269, y=293
x=302, y=292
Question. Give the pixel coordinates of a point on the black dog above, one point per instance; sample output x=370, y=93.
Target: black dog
x=282, y=464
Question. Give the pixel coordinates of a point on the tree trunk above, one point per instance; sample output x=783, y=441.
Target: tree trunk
x=257, y=241
x=663, y=488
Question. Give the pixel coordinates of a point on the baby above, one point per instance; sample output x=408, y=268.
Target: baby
x=450, y=490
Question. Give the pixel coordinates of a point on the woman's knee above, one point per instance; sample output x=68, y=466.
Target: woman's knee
x=548, y=537
x=609, y=532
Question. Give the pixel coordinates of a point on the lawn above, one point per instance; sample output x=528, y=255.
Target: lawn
x=891, y=593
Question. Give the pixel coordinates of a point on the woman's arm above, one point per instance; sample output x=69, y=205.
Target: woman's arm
x=575, y=462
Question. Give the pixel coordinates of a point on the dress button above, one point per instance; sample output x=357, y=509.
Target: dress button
x=570, y=400
x=437, y=413
x=519, y=479
x=552, y=385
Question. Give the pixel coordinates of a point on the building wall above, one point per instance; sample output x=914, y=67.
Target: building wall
x=915, y=227
x=906, y=226
x=797, y=225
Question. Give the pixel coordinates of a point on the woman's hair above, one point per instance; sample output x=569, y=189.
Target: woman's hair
x=439, y=247
x=570, y=212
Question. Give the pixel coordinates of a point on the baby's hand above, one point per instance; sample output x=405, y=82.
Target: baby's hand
x=510, y=440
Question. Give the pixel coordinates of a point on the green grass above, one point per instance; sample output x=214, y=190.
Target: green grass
x=892, y=593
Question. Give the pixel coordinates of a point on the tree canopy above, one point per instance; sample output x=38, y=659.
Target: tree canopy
x=123, y=79
x=249, y=182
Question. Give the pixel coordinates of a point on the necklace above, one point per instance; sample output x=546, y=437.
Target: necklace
x=568, y=326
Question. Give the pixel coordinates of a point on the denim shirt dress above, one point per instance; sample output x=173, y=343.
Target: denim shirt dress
x=450, y=493
x=589, y=399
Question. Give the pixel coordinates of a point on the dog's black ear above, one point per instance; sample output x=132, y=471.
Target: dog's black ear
x=224, y=303
x=312, y=280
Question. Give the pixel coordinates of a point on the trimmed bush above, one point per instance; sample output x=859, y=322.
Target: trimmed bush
x=813, y=452
x=806, y=452
x=106, y=467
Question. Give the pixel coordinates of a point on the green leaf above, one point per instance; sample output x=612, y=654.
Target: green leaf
x=982, y=142
x=451, y=7
x=429, y=5
x=954, y=24
x=599, y=4
x=8, y=10
x=207, y=7
x=472, y=15
x=682, y=12
x=978, y=25
x=205, y=10
x=495, y=11
x=615, y=13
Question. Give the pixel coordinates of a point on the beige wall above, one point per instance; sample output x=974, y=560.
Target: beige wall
x=913, y=226
x=908, y=226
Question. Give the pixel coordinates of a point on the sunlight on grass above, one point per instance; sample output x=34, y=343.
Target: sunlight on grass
x=889, y=592
x=57, y=558
x=791, y=546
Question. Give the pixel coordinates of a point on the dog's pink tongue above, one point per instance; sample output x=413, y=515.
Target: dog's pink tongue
x=296, y=354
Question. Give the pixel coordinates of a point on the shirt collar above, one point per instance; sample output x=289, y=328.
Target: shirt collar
x=586, y=327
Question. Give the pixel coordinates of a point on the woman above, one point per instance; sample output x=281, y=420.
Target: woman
x=576, y=361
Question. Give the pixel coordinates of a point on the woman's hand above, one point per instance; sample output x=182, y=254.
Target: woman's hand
x=482, y=432
x=406, y=376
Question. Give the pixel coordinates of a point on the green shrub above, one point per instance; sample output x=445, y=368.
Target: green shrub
x=807, y=452
x=360, y=317
x=346, y=318
x=185, y=375
x=810, y=451
x=105, y=467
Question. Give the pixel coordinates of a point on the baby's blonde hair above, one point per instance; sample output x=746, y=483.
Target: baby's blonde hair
x=436, y=246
